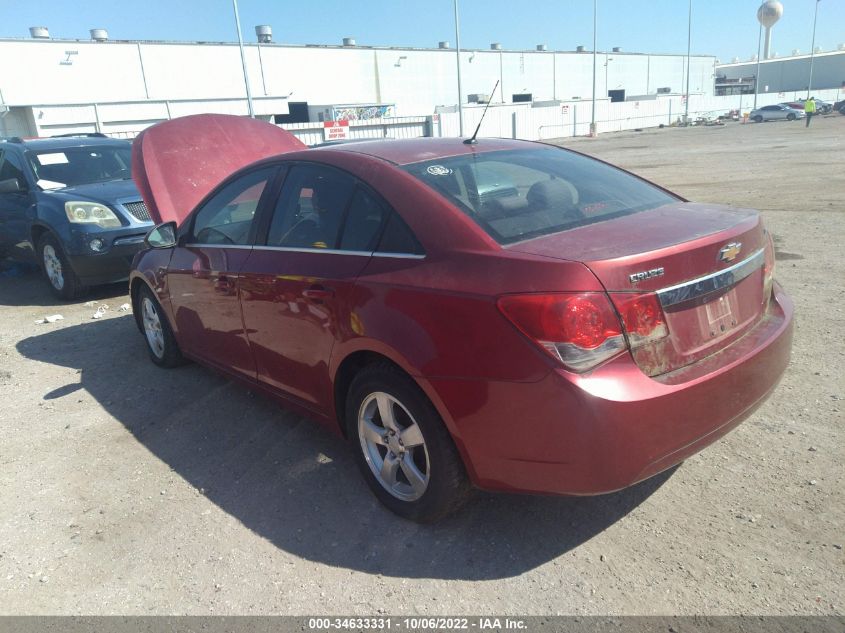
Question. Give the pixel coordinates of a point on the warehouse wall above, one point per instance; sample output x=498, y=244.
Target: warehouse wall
x=781, y=75
x=83, y=72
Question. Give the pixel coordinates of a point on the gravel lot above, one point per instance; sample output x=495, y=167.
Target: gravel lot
x=128, y=489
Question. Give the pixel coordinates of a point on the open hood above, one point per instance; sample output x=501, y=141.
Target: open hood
x=175, y=164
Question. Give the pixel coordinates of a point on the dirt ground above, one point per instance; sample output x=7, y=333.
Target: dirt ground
x=129, y=489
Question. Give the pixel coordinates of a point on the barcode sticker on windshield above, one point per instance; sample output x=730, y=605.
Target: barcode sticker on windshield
x=54, y=158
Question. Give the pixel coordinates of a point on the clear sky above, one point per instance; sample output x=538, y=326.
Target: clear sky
x=724, y=28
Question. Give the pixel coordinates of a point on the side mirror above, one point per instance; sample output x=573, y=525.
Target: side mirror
x=162, y=236
x=10, y=185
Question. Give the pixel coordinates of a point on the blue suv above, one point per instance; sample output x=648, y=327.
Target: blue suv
x=69, y=205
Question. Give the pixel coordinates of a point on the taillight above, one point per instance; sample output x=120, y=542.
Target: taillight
x=768, y=267
x=579, y=330
x=642, y=316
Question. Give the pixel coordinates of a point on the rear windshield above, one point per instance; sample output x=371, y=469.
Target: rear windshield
x=519, y=194
x=70, y=166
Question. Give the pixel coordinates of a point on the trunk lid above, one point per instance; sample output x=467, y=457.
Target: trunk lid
x=705, y=262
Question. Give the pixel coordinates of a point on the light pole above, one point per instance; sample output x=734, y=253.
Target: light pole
x=593, y=130
x=458, y=61
x=757, y=72
x=689, y=46
x=243, y=59
x=813, y=50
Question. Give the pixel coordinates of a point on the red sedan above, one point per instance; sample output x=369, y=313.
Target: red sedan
x=504, y=314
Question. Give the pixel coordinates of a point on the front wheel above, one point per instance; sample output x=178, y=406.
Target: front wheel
x=790, y=117
x=57, y=270
x=758, y=119
x=402, y=447
x=161, y=344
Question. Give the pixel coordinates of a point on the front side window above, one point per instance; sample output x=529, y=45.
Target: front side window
x=228, y=216
x=311, y=208
x=71, y=166
x=10, y=167
x=520, y=194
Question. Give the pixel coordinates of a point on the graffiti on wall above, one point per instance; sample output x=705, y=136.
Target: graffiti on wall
x=362, y=113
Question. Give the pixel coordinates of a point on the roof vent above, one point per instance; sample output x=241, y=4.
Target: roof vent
x=735, y=60
x=264, y=33
x=99, y=35
x=541, y=47
x=617, y=49
x=796, y=51
x=495, y=46
x=349, y=41
x=579, y=49
x=443, y=44
x=39, y=32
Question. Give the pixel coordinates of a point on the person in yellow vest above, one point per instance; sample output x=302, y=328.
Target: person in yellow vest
x=809, y=109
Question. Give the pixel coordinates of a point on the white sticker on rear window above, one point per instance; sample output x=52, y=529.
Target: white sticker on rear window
x=55, y=158
x=439, y=170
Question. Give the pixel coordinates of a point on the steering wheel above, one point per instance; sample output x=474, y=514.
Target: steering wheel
x=300, y=233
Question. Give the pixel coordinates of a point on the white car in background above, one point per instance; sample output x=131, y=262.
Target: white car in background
x=776, y=113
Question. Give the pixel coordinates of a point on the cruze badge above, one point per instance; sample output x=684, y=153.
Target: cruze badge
x=730, y=251
x=646, y=274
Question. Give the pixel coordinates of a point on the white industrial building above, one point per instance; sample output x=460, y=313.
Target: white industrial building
x=783, y=74
x=50, y=86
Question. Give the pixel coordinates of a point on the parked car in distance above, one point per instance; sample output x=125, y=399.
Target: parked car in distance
x=822, y=107
x=778, y=112
x=502, y=314
x=839, y=107
x=69, y=205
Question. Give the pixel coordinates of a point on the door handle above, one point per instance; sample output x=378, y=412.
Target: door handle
x=318, y=294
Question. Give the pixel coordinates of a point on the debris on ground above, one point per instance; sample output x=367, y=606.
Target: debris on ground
x=50, y=319
x=100, y=312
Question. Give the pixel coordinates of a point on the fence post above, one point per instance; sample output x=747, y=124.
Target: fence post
x=670, y=111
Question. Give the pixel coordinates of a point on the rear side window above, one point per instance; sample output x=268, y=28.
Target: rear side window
x=228, y=216
x=311, y=207
x=363, y=222
x=519, y=194
x=398, y=238
x=10, y=167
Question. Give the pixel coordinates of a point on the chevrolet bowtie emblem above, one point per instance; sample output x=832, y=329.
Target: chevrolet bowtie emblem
x=730, y=251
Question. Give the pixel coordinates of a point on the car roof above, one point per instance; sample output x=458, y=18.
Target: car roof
x=407, y=151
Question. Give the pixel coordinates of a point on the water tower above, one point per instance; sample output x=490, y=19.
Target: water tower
x=769, y=13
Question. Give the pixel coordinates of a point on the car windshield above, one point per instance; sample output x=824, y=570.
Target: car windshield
x=520, y=194
x=70, y=166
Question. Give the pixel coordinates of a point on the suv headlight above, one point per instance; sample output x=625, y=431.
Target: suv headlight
x=91, y=213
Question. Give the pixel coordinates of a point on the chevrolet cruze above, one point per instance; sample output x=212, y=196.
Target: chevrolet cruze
x=502, y=314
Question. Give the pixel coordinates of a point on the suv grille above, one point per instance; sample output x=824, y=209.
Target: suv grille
x=138, y=210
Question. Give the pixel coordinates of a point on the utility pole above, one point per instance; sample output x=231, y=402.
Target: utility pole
x=458, y=61
x=593, y=130
x=813, y=50
x=243, y=59
x=757, y=72
x=689, y=46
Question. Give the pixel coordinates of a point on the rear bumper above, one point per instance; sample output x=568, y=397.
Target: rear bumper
x=597, y=433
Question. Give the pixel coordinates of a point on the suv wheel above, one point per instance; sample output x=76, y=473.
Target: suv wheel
x=57, y=271
x=402, y=447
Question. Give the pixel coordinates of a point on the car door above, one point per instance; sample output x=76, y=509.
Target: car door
x=204, y=271
x=14, y=224
x=295, y=286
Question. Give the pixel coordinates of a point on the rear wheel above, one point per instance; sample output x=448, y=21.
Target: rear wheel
x=161, y=344
x=402, y=446
x=57, y=271
x=758, y=119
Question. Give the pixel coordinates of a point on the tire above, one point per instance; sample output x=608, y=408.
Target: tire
x=790, y=117
x=758, y=119
x=161, y=344
x=57, y=271
x=432, y=462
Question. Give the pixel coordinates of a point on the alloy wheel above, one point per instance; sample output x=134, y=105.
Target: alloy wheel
x=152, y=327
x=394, y=446
x=53, y=267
